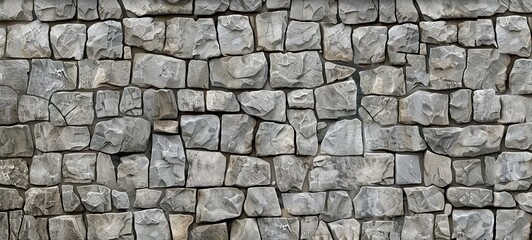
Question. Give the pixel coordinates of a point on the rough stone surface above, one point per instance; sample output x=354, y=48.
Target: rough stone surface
x=519, y=79
x=296, y=70
x=49, y=138
x=383, y=80
x=343, y=137
x=239, y=72
x=424, y=108
x=188, y=38
x=438, y=32
x=158, y=71
x=151, y=224
x=513, y=35
x=104, y=40
x=216, y=204
x=388, y=202
x=473, y=224
x=336, y=100
x=446, y=67
x=235, y=35
x=262, y=201
x=425, y=199
x=27, y=40
x=476, y=33
x=44, y=80
x=274, y=139
x=369, y=43
x=205, y=169
x=247, y=172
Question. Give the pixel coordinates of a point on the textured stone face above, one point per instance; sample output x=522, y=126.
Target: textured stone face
x=267, y=105
x=336, y=100
x=519, y=80
x=247, y=172
x=397, y=138
x=388, y=199
x=274, y=139
x=167, y=163
x=28, y=40
x=205, y=169
x=383, y=80
x=151, y=223
x=145, y=33
x=235, y=35
x=104, y=40
x=513, y=35
x=424, y=108
x=369, y=44
x=158, y=71
x=239, y=72
x=293, y=70
x=216, y=204
x=262, y=201
x=188, y=38
x=68, y=40
x=446, y=67
x=44, y=80
x=121, y=135
x=476, y=33
x=473, y=223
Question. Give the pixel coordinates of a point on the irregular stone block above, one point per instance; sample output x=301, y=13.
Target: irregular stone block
x=210, y=231
x=44, y=80
x=95, y=198
x=397, y=138
x=281, y=227
x=239, y=72
x=116, y=225
x=369, y=43
x=336, y=100
x=304, y=203
x=179, y=224
x=72, y=108
x=207, y=7
x=159, y=104
x=380, y=229
x=343, y=138
x=512, y=171
x=27, y=40
x=476, y=33
x=383, y=80
x=304, y=123
x=425, y=199
x=167, y=166
x=518, y=136
x=104, y=40
x=131, y=101
x=54, y=11
x=473, y=224
x=145, y=33
x=513, y=35
x=154, y=7
x=198, y=74
x=10, y=199
x=205, y=169
x=381, y=109
x=348, y=229
x=245, y=229
x=309, y=226
x=71, y=200
x=513, y=109
x=166, y=126
x=274, y=139
x=14, y=74
x=67, y=227
x=334, y=72
x=407, y=169
x=378, y=202
x=43, y=201
x=403, y=39
x=424, y=108
x=151, y=224
x=124, y=134
x=220, y=101
x=32, y=228
x=189, y=38
x=106, y=103
x=303, y=36
x=68, y=40
x=109, y=9
x=264, y=104
x=237, y=133
x=339, y=205
x=146, y=198
x=438, y=32
x=469, y=197
x=461, y=106
x=416, y=74
x=262, y=202
x=31, y=108
x=120, y=199
x=468, y=172
x=235, y=35
x=418, y=226
x=16, y=10
x=244, y=171
x=8, y=97
x=87, y=10
x=200, y=131
x=102, y=73
x=296, y=70
x=446, y=67
x=437, y=169
x=301, y=98
x=132, y=172
x=151, y=70
x=512, y=224
x=357, y=12
x=520, y=79
x=435, y=9
x=503, y=200
x=270, y=30
x=290, y=172
x=470, y=141
x=216, y=204
x=486, y=106
x=79, y=167
x=4, y=224
x=179, y=200
x=49, y=138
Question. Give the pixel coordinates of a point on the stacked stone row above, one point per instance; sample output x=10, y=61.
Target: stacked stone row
x=228, y=119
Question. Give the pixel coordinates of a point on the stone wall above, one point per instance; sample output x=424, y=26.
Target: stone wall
x=250, y=119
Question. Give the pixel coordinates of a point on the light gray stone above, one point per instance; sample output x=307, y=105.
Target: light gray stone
x=216, y=204
x=512, y=224
x=437, y=169
x=369, y=43
x=235, y=35
x=308, y=10
x=469, y=197
x=10, y=199
x=120, y=199
x=179, y=224
x=14, y=74
x=95, y=198
x=16, y=10
x=264, y=104
x=155, y=7
x=301, y=98
x=116, y=225
x=54, y=11
x=387, y=11
x=121, y=135
x=239, y=72
x=469, y=224
x=334, y=72
x=380, y=229
x=486, y=69
x=308, y=226
x=520, y=81
x=216, y=231
x=424, y=108
x=221, y=101
x=15, y=222
x=383, y=80
x=375, y=202
x=418, y=226
x=105, y=170
x=31, y=108
x=290, y=172
x=104, y=40
x=503, y=200
x=304, y=123
x=357, y=12
x=151, y=70
x=381, y=109
x=442, y=229
x=512, y=171
x=296, y=70
x=50, y=138
x=281, y=228
x=87, y=10
x=151, y=224
x=303, y=36
x=168, y=159
x=513, y=35
x=209, y=7
x=166, y=126
x=44, y=80
x=476, y=33
x=45, y=169
x=179, y=200
x=425, y=199
x=468, y=141
x=237, y=133
x=438, y=32
x=67, y=227
x=461, y=106
x=407, y=169
x=145, y=33
x=522, y=7
x=198, y=74
x=486, y=106
x=245, y=6
x=146, y=198
x=245, y=171
x=32, y=228
x=9, y=111
x=68, y=40
x=262, y=202
x=339, y=206
x=246, y=228
x=43, y=201
x=277, y=4
x=468, y=172
x=191, y=100
x=79, y=167
x=132, y=172
x=72, y=108
x=189, y=38
x=109, y=9
x=205, y=169
x=343, y=138
x=336, y=100
x=106, y=103
x=403, y=39
x=416, y=73
x=348, y=229
x=131, y=101
x=4, y=223
x=518, y=136
x=405, y=11
x=71, y=200
x=270, y=30
x=274, y=139
x=159, y=104
x=397, y=138
x=27, y=40
x=513, y=109
x=435, y=9
x=200, y=131
x=102, y=73
x=446, y=67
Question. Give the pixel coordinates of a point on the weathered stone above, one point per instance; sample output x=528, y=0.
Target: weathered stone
x=104, y=40
x=264, y=104
x=442, y=229
x=167, y=166
x=279, y=228
x=44, y=80
x=512, y=171
x=468, y=172
x=369, y=43
x=262, y=202
x=486, y=69
x=198, y=74
x=277, y=4
x=403, y=39
x=518, y=136
x=49, y=138
x=159, y=104
x=270, y=30
x=210, y=231
x=32, y=228
x=244, y=171
x=425, y=199
x=200, y=131
x=109, y=9
x=513, y=109
x=513, y=35
x=308, y=11
x=72, y=108
x=308, y=226
x=476, y=33
x=274, y=139
x=191, y=100
x=43, y=201
x=290, y=172
x=158, y=71
x=245, y=229
x=473, y=224
x=343, y=138
x=378, y=202
x=121, y=135
x=348, y=229
x=520, y=80
x=304, y=203
x=120, y=199
x=205, y=169
x=446, y=67
x=469, y=197
x=437, y=169
x=503, y=200
x=235, y=35
x=303, y=36
x=339, y=205
x=67, y=227
x=146, y=198
x=438, y=32
x=15, y=221
x=166, y=126
x=461, y=106
x=155, y=7
x=216, y=204
x=239, y=72
x=79, y=167
x=418, y=226
x=14, y=172
x=145, y=33
x=221, y=101
x=4, y=225
x=68, y=40
x=71, y=201
x=381, y=109
x=398, y=138
x=489, y=170
x=424, y=108
x=416, y=74
x=31, y=108
x=296, y=70
x=10, y=199
x=106, y=103
x=179, y=200
x=102, y=73
x=131, y=101
x=357, y=12
x=132, y=172
x=16, y=10
x=486, y=106
x=237, y=133
x=179, y=224
x=407, y=169
x=304, y=123
x=383, y=80
x=14, y=74
x=336, y=100
x=334, y=72
x=380, y=229
x=27, y=40
x=435, y=9
x=116, y=225
x=301, y=98
x=151, y=224
x=95, y=198
x=207, y=7
x=468, y=141
x=54, y=11
x=245, y=6
x=512, y=224
x=87, y=10
x=189, y=38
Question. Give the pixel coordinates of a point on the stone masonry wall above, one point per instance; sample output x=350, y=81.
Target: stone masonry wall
x=274, y=119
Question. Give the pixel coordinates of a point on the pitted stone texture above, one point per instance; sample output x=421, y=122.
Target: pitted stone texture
x=10, y=199
x=104, y=40
x=145, y=33
x=27, y=40
x=476, y=33
x=468, y=172
x=301, y=98
x=132, y=172
x=102, y=73
x=131, y=101
x=425, y=199
x=68, y=40
x=309, y=226
x=304, y=123
x=264, y=104
x=513, y=35
x=438, y=32
x=72, y=108
x=188, y=38
x=424, y=108
x=146, y=198
x=296, y=70
x=270, y=30
x=235, y=35
x=79, y=167
x=290, y=172
x=221, y=101
x=334, y=72
x=43, y=201
x=159, y=104
x=469, y=197
x=274, y=139
x=249, y=71
x=50, y=138
x=116, y=225
x=407, y=169
x=106, y=103
x=205, y=169
x=67, y=227
x=398, y=138
x=245, y=171
x=435, y=9
x=207, y=7
x=486, y=106
x=512, y=224
x=151, y=224
x=95, y=198
x=151, y=70
x=168, y=159
x=216, y=204
x=420, y=226
x=357, y=12
x=262, y=202
x=520, y=80
x=304, y=203
x=336, y=100
x=381, y=109
x=468, y=141
x=179, y=200
x=369, y=43
x=44, y=80
x=486, y=69
x=446, y=67
x=375, y=202
x=512, y=171
x=303, y=36
x=121, y=135
x=155, y=7
x=383, y=80
x=473, y=224
x=343, y=138
x=337, y=43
